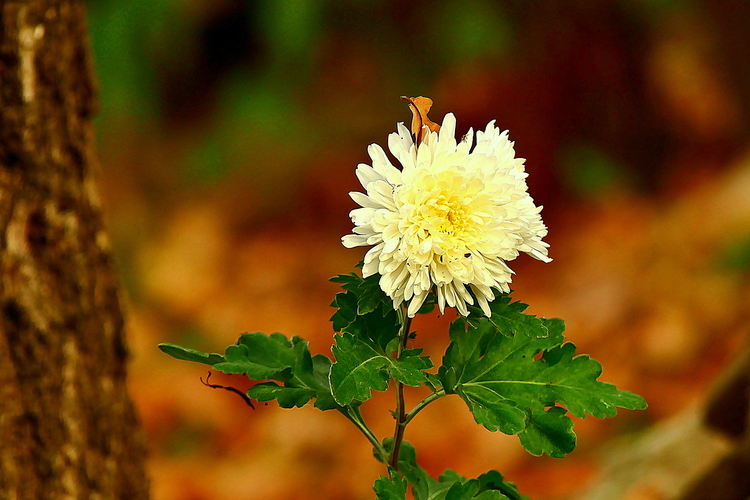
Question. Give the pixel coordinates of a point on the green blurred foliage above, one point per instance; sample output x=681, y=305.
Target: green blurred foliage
x=588, y=170
x=467, y=30
x=122, y=36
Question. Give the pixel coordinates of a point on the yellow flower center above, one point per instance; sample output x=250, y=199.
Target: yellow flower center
x=444, y=214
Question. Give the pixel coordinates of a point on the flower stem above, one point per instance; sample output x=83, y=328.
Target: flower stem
x=401, y=417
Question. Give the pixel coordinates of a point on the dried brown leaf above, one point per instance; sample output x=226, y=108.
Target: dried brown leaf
x=420, y=106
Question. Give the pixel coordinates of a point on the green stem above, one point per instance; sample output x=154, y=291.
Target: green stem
x=355, y=417
x=401, y=417
x=423, y=404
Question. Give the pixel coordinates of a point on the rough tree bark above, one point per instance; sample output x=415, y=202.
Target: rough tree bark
x=67, y=426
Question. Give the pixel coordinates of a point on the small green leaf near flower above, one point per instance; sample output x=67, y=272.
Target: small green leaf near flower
x=509, y=318
x=364, y=310
x=367, y=290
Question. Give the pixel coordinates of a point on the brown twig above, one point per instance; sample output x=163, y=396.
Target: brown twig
x=230, y=389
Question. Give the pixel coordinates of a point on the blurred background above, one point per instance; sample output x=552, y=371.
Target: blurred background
x=229, y=132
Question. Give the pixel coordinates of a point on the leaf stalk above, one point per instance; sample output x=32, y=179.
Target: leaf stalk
x=423, y=404
x=355, y=417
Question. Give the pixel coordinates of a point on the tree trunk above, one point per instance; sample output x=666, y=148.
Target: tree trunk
x=67, y=426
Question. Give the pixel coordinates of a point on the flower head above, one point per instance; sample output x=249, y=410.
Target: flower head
x=450, y=218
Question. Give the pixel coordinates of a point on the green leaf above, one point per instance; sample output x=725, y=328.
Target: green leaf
x=433, y=382
x=358, y=370
x=452, y=486
x=409, y=368
x=429, y=304
x=391, y=489
x=490, y=495
x=549, y=432
x=493, y=412
x=509, y=318
x=274, y=357
x=361, y=366
x=507, y=389
x=260, y=357
x=427, y=488
x=321, y=372
x=493, y=480
x=573, y=382
x=190, y=354
x=364, y=310
x=463, y=490
x=407, y=460
x=367, y=290
x=346, y=305
x=287, y=397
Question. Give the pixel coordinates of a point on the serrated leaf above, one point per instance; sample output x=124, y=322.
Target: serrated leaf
x=364, y=310
x=506, y=389
x=493, y=412
x=358, y=370
x=274, y=357
x=371, y=296
x=452, y=486
x=549, y=432
x=573, y=382
x=346, y=305
x=321, y=371
x=509, y=318
x=375, y=327
x=361, y=366
x=463, y=490
x=287, y=397
x=409, y=367
x=367, y=290
x=391, y=489
x=186, y=354
x=494, y=481
x=427, y=488
x=260, y=357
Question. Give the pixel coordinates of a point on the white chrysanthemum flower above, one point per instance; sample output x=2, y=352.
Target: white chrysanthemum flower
x=451, y=217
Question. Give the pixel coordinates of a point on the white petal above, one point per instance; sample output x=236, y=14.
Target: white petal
x=361, y=216
x=383, y=165
x=381, y=192
x=416, y=304
x=366, y=174
x=363, y=200
x=353, y=240
x=402, y=146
